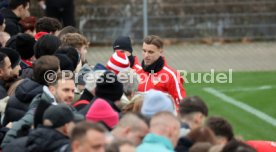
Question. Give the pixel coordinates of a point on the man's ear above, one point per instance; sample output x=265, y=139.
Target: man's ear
x=52, y=89
x=126, y=130
x=1, y=72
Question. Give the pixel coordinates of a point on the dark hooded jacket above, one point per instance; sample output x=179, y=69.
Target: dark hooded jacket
x=12, y=22
x=45, y=139
x=18, y=103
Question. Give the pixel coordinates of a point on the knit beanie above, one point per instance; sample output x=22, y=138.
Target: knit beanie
x=71, y=52
x=123, y=43
x=25, y=45
x=156, y=101
x=46, y=45
x=108, y=87
x=118, y=62
x=65, y=62
x=13, y=56
x=102, y=111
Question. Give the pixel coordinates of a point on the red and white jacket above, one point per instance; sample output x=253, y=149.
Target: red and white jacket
x=166, y=80
x=136, y=66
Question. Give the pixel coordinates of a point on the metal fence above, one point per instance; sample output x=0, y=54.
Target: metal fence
x=182, y=20
x=102, y=21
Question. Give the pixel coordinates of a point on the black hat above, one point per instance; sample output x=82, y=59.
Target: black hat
x=25, y=45
x=72, y=53
x=123, y=43
x=59, y=115
x=108, y=87
x=13, y=55
x=65, y=62
x=46, y=45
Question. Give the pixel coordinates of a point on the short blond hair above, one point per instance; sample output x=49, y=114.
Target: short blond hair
x=75, y=40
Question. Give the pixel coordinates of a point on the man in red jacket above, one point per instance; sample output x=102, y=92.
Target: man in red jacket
x=156, y=74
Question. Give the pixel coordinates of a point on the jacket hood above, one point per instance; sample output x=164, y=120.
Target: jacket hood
x=27, y=90
x=44, y=139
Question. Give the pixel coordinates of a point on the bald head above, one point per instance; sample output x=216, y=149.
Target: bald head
x=132, y=127
x=166, y=124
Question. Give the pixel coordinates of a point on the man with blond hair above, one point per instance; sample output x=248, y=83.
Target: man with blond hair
x=78, y=41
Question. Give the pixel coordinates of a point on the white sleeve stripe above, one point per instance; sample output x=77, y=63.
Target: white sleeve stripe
x=138, y=66
x=175, y=80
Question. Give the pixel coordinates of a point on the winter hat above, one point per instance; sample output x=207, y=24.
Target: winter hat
x=72, y=53
x=118, y=62
x=65, y=62
x=1, y=19
x=123, y=43
x=25, y=45
x=108, y=87
x=46, y=45
x=59, y=115
x=102, y=111
x=13, y=55
x=156, y=101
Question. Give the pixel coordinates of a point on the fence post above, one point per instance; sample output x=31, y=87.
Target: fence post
x=145, y=17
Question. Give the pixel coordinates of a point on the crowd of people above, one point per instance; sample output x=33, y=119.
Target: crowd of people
x=53, y=100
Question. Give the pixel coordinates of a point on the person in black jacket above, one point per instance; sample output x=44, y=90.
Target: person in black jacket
x=18, y=9
x=63, y=10
x=18, y=103
x=5, y=71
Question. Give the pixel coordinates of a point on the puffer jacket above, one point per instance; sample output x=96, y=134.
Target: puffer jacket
x=18, y=103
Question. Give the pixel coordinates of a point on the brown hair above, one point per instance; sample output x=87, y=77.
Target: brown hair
x=221, y=127
x=81, y=129
x=192, y=104
x=43, y=66
x=75, y=40
x=154, y=40
x=60, y=76
x=202, y=134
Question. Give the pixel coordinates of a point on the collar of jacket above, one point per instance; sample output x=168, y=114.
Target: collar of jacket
x=155, y=67
x=153, y=138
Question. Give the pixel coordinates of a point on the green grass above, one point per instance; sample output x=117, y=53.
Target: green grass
x=245, y=124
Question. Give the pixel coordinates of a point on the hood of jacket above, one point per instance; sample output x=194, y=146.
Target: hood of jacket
x=44, y=139
x=27, y=90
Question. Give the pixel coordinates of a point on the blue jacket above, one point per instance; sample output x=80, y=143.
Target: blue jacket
x=155, y=143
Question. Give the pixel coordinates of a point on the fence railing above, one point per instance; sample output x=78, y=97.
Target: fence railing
x=102, y=22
